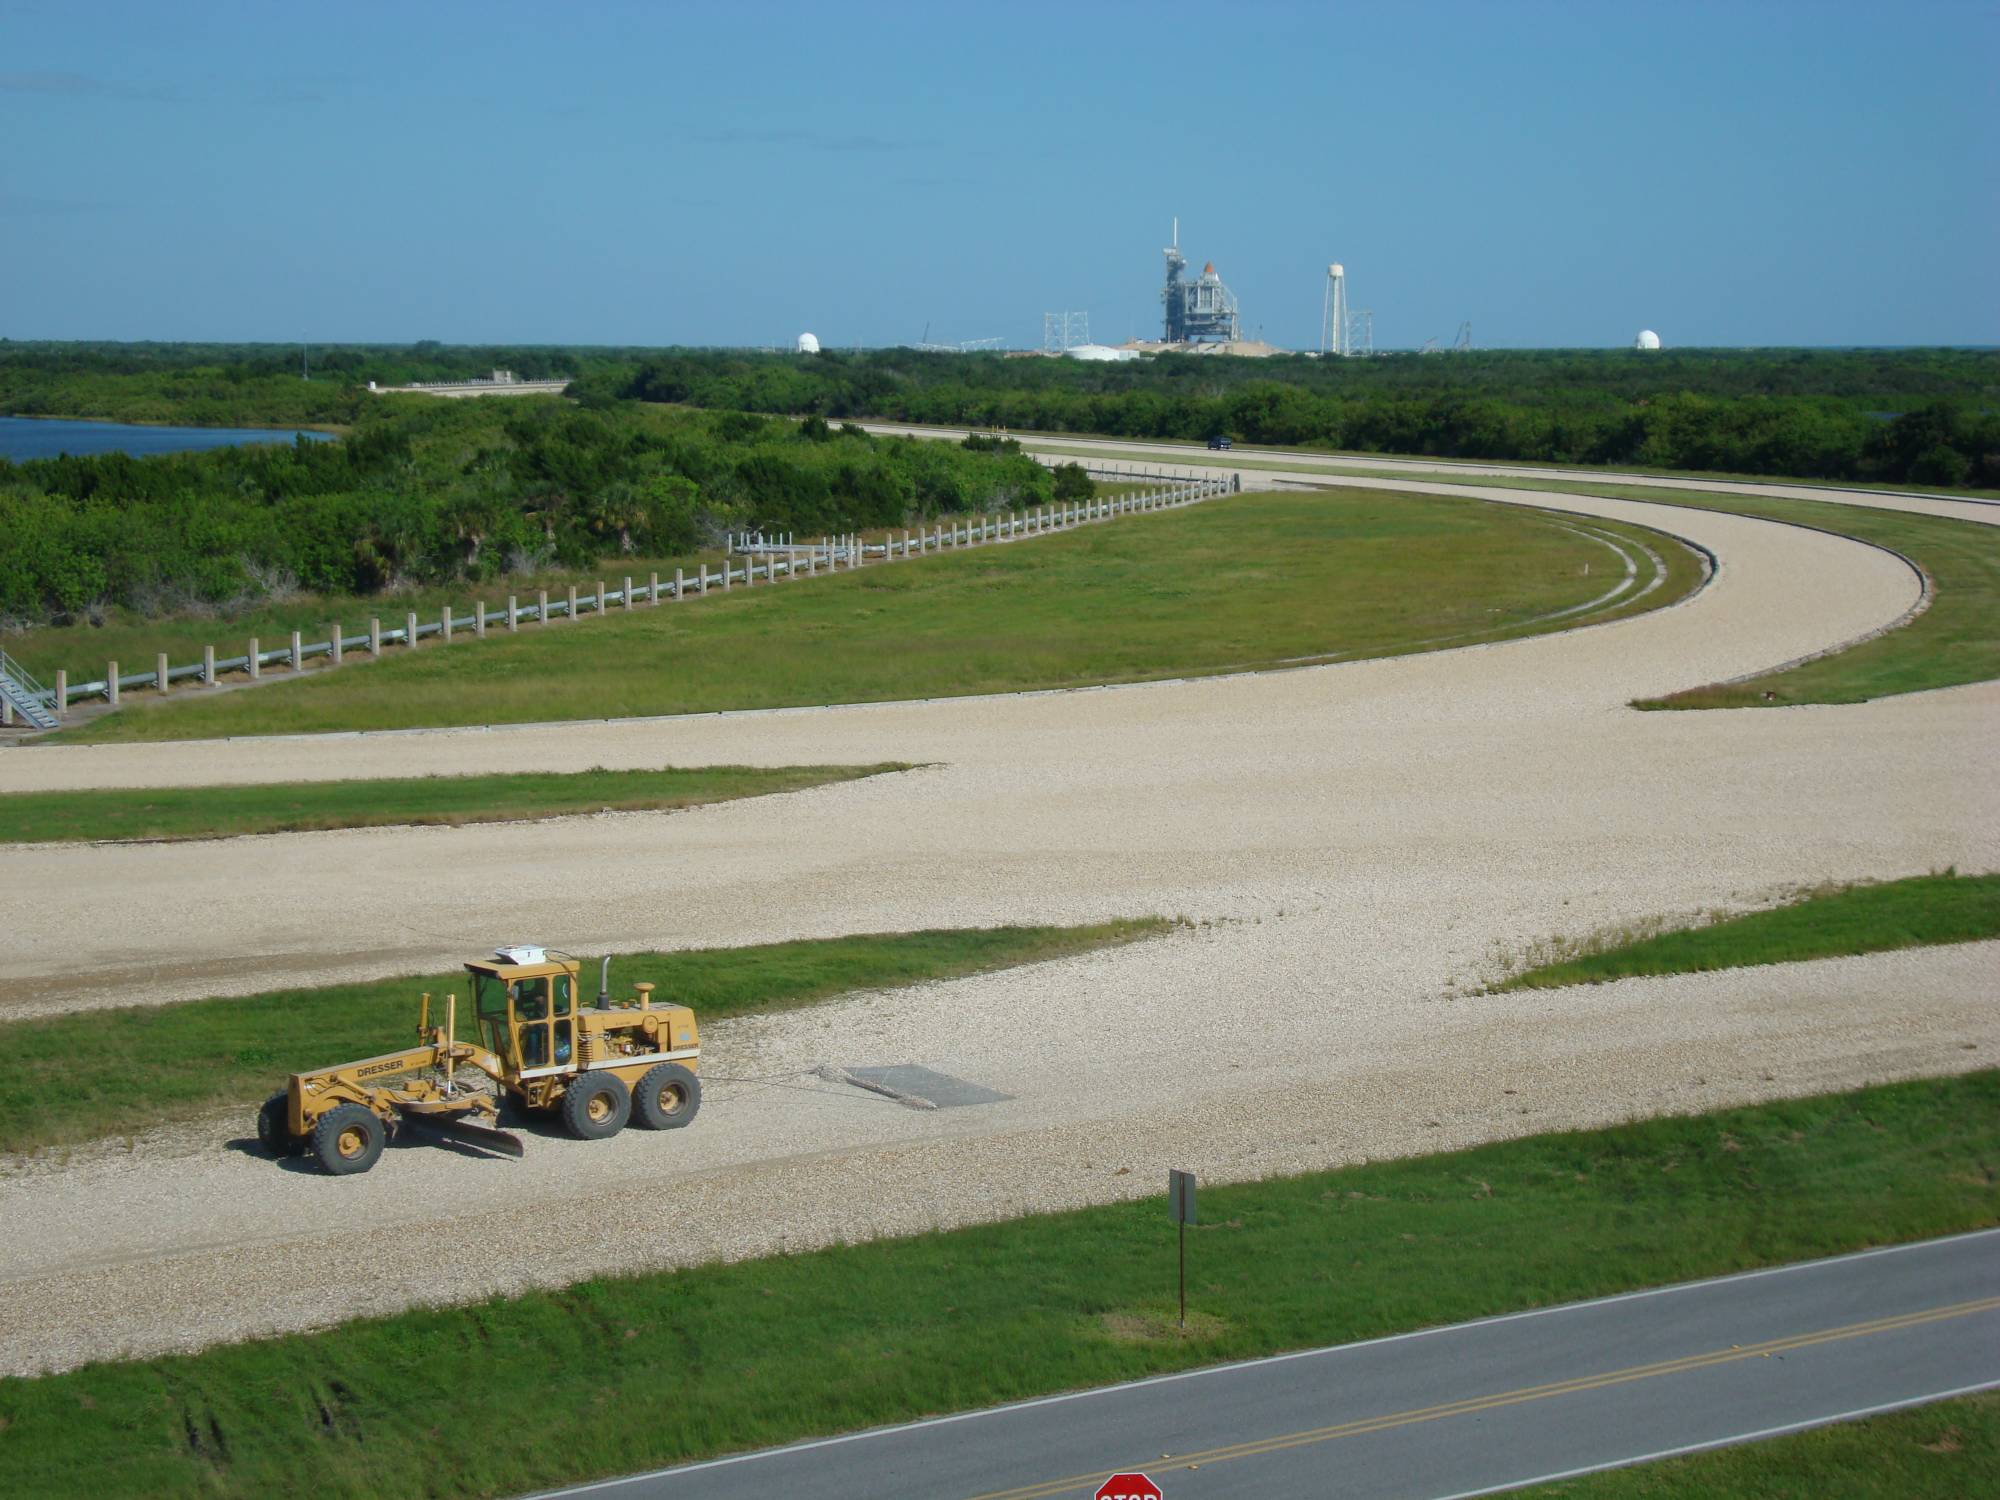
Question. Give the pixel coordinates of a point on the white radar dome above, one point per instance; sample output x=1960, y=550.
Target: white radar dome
x=808, y=344
x=1647, y=339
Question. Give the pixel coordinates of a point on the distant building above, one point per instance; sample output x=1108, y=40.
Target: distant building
x=1647, y=339
x=807, y=344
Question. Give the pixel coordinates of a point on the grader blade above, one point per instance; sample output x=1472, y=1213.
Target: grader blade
x=455, y=1128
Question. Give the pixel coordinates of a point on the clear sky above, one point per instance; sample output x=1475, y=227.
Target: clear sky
x=1757, y=172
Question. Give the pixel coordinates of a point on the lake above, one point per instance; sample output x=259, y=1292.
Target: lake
x=34, y=437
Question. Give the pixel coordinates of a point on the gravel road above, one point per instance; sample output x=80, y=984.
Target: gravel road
x=1351, y=843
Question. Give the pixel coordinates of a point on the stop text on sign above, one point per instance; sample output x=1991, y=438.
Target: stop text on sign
x=1128, y=1487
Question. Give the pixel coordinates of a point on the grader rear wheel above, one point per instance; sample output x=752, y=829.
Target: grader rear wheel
x=347, y=1140
x=667, y=1097
x=596, y=1106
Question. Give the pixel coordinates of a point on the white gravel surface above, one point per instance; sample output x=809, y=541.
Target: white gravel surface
x=1355, y=839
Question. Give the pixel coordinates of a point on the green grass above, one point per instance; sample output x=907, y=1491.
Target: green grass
x=1831, y=923
x=122, y=1071
x=1253, y=581
x=1243, y=456
x=210, y=812
x=514, y=1394
x=1955, y=641
x=1949, y=1450
x=132, y=638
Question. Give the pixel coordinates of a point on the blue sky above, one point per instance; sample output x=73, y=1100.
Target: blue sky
x=1558, y=173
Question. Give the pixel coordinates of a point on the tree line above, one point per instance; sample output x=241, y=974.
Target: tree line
x=1928, y=417
x=423, y=490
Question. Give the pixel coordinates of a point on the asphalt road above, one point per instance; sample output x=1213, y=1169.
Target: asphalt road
x=1453, y=1411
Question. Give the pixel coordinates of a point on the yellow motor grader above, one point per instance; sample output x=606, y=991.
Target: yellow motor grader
x=593, y=1067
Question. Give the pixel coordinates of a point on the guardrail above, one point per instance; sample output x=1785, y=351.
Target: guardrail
x=770, y=559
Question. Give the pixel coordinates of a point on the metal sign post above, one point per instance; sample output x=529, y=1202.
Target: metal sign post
x=1180, y=1208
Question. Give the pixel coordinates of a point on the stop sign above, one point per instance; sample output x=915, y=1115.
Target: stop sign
x=1128, y=1487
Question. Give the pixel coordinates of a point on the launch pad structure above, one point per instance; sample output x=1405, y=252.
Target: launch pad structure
x=1202, y=311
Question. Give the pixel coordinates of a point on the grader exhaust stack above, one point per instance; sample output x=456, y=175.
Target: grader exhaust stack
x=538, y=1050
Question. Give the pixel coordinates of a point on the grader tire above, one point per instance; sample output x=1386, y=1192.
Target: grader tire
x=667, y=1097
x=596, y=1106
x=273, y=1134
x=347, y=1139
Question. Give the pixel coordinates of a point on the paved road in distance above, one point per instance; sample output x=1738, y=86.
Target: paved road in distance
x=1452, y=1411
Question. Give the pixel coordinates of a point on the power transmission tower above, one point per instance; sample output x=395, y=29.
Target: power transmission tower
x=1463, y=343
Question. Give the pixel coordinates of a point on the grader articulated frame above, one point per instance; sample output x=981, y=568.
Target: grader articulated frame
x=594, y=1067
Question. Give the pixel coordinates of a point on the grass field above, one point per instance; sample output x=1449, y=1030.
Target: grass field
x=512, y=1394
x=1832, y=923
x=132, y=639
x=123, y=1071
x=1955, y=641
x=1950, y=1451
x=1241, y=583
x=210, y=812
x=1274, y=456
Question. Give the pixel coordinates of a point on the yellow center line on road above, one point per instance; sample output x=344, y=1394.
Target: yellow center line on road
x=1471, y=1404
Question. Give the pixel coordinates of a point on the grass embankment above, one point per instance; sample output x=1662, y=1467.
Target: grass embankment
x=132, y=639
x=1948, y=1450
x=213, y=812
x=1268, y=456
x=122, y=1071
x=1955, y=641
x=738, y=1356
x=1831, y=923
x=1253, y=581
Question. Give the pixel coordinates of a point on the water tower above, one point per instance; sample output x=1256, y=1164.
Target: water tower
x=1333, y=334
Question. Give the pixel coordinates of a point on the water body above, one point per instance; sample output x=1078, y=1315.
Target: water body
x=34, y=437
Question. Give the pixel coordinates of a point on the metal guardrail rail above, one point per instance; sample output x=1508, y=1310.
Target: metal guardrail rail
x=783, y=557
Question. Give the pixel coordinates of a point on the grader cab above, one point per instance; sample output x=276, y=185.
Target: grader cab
x=533, y=1045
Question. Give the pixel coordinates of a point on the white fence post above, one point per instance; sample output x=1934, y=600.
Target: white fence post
x=572, y=602
x=256, y=666
x=160, y=672
x=679, y=587
x=208, y=664
x=513, y=613
x=410, y=630
x=374, y=637
x=333, y=643
x=111, y=683
x=61, y=705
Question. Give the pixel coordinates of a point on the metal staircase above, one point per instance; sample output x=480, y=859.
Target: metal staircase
x=27, y=697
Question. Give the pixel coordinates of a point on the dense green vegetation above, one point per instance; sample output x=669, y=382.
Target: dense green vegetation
x=1164, y=595
x=1925, y=909
x=1924, y=416
x=212, y=812
x=122, y=1071
x=424, y=490
x=771, y=1350
x=1947, y=1451
x=250, y=385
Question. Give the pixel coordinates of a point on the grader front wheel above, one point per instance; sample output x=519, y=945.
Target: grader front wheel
x=347, y=1139
x=274, y=1134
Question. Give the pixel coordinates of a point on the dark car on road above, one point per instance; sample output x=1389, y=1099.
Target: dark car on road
x=1218, y=441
